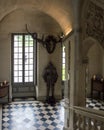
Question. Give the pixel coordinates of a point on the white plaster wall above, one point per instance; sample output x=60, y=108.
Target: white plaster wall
x=15, y=23
x=5, y=60
x=43, y=59
x=5, y=57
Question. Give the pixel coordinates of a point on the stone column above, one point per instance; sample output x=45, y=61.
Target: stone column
x=78, y=92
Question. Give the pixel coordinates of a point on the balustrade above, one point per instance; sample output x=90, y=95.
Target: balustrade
x=86, y=119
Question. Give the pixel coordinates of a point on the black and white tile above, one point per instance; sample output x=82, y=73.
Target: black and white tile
x=95, y=104
x=32, y=116
x=35, y=115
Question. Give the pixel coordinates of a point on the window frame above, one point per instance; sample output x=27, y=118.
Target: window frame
x=34, y=82
x=63, y=63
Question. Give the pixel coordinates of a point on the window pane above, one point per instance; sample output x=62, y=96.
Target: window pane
x=26, y=56
x=26, y=73
x=16, y=38
x=20, y=79
x=30, y=67
x=30, y=49
x=63, y=77
x=26, y=49
x=20, y=55
x=16, y=67
x=15, y=49
x=63, y=60
x=26, y=61
x=63, y=54
x=31, y=43
x=15, y=44
x=31, y=73
x=20, y=44
x=26, y=79
x=20, y=49
x=26, y=67
x=63, y=66
x=20, y=37
x=30, y=61
x=30, y=55
x=15, y=73
x=20, y=73
x=26, y=37
x=31, y=79
x=15, y=61
x=15, y=79
x=63, y=49
x=20, y=61
x=16, y=55
x=20, y=67
x=30, y=37
x=63, y=71
x=26, y=44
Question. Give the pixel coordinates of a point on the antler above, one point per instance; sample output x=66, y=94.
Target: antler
x=35, y=38
x=50, y=41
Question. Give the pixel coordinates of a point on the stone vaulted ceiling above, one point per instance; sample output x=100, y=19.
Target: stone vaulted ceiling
x=41, y=16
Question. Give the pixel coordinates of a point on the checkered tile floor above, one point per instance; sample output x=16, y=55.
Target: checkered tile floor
x=32, y=116
x=36, y=115
x=95, y=104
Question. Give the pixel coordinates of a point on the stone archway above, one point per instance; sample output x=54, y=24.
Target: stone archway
x=93, y=57
x=92, y=24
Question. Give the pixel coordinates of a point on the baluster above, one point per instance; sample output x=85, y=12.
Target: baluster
x=79, y=125
x=83, y=123
x=79, y=121
x=89, y=124
x=102, y=126
x=86, y=123
x=75, y=121
x=99, y=123
x=94, y=125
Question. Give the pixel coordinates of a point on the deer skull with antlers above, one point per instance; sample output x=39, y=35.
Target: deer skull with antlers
x=49, y=42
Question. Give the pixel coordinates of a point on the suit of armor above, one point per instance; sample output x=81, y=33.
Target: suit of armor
x=50, y=77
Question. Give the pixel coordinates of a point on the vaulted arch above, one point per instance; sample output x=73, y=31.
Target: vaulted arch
x=56, y=11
